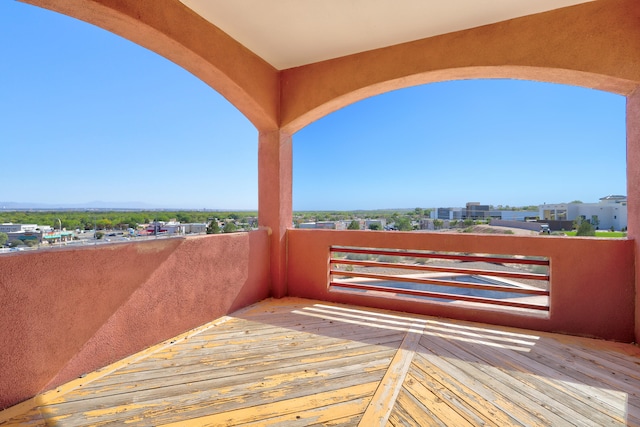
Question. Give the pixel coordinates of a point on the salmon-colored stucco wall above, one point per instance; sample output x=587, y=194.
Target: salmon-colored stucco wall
x=69, y=312
x=594, y=44
x=274, y=199
x=592, y=280
x=633, y=185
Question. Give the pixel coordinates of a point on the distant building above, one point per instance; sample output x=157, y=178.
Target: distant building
x=193, y=228
x=446, y=213
x=324, y=225
x=307, y=225
x=175, y=227
x=9, y=227
x=31, y=232
x=609, y=212
x=162, y=227
x=476, y=211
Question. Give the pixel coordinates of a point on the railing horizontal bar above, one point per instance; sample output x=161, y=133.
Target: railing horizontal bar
x=438, y=282
x=493, y=259
x=516, y=275
x=453, y=297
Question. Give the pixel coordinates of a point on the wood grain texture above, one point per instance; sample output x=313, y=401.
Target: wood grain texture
x=295, y=362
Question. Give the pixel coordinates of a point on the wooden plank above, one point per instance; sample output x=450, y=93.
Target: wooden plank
x=441, y=409
x=378, y=411
x=44, y=398
x=432, y=268
x=464, y=399
x=412, y=412
x=32, y=418
x=188, y=406
x=493, y=393
x=479, y=373
x=324, y=362
x=431, y=281
x=306, y=347
x=535, y=402
x=344, y=413
x=479, y=336
x=586, y=371
x=616, y=364
x=396, y=420
x=362, y=318
x=547, y=376
x=262, y=412
x=317, y=345
x=260, y=361
x=510, y=302
x=277, y=343
x=231, y=392
x=441, y=255
x=481, y=397
x=254, y=374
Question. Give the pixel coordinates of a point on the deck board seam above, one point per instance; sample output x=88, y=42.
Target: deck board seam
x=382, y=402
x=46, y=398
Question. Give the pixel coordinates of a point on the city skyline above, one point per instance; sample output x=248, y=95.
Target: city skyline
x=87, y=115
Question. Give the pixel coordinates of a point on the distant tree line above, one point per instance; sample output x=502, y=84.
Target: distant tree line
x=108, y=220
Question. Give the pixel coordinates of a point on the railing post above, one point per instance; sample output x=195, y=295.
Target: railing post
x=633, y=189
x=274, y=201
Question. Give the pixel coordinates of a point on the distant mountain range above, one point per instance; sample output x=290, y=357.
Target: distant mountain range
x=88, y=205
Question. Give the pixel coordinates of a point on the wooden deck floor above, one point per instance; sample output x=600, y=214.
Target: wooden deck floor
x=294, y=362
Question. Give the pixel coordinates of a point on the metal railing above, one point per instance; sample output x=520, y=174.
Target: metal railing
x=498, y=280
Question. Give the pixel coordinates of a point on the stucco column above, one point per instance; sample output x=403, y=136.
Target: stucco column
x=633, y=188
x=274, y=201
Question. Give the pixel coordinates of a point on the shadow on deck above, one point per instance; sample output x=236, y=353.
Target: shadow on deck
x=302, y=362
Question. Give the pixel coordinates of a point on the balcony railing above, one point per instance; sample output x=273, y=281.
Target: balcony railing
x=580, y=286
x=514, y=281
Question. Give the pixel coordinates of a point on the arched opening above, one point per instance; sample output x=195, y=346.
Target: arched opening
x=86, y=117
x=480, y=150
x=93, y=120
x=504, y=143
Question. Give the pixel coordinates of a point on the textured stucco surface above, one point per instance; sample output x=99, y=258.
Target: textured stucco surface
x=68, y=312
x=633, y=187
x=595, y=45
x=592, y=279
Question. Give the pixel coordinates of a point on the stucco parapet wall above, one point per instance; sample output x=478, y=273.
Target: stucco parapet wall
x=174, y=31
x=592, y=279
x=595, y=45
x=70, y=311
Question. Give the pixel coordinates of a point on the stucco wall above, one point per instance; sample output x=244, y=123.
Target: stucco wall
x=594, y=45
x=68, y=312
x=633, y=186
x=592, y=280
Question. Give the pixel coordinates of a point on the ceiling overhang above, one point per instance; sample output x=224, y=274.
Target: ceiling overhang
x=291, y=33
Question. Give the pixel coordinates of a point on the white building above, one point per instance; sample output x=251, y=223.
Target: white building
x=610, y=212
x=18, y=228
x=324, y=225
x=193, y=228
x=25, y=232
x=477, y=211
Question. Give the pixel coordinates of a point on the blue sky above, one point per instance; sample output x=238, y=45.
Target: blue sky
x=86, y=115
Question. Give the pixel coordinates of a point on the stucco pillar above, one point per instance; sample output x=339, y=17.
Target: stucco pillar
x=274, y=201
x=633, y=189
